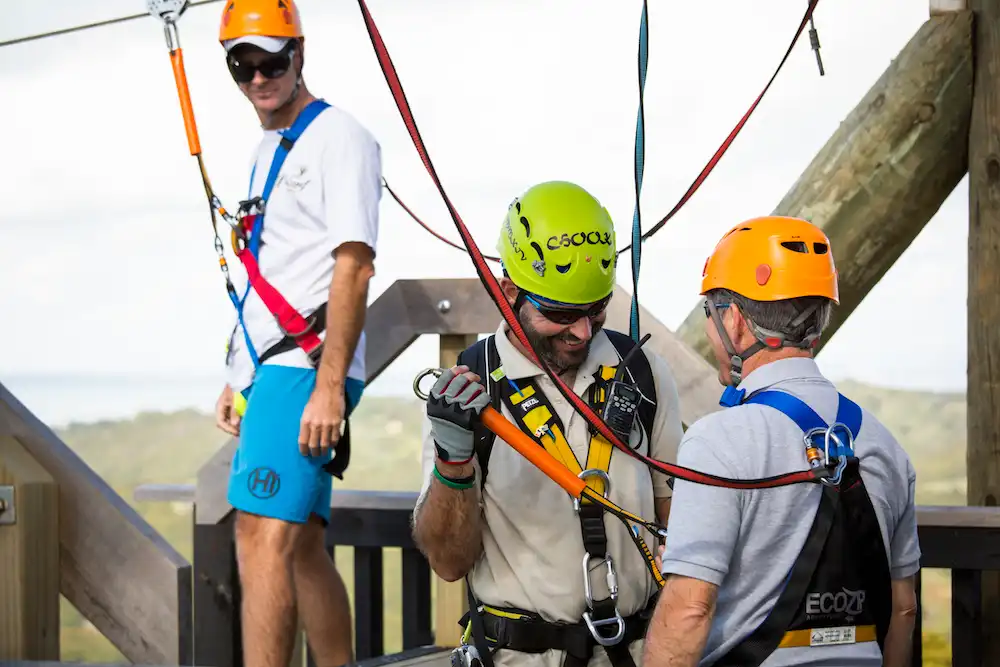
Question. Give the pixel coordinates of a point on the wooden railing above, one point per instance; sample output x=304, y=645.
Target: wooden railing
x=67, y=531
x=157, y=609
x=367, y=521
x=965, y=540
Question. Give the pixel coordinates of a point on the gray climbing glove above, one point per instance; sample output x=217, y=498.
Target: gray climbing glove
x=453, y=407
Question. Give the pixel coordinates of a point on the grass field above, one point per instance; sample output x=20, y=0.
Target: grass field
x=169, y=448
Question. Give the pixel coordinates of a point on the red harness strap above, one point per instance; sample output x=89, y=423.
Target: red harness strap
x=289, y=320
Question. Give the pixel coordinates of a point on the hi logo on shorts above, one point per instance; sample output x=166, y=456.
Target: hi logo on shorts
x=263, y=483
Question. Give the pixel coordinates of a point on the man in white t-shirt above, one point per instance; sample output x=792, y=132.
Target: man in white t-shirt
x=311, y=225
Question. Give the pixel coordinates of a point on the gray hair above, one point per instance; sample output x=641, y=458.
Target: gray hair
x=780, y=316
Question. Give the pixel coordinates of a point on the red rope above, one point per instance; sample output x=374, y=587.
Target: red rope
x=699, y=179
x=493, y=288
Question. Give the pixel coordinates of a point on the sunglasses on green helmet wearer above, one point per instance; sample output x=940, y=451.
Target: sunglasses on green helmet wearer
x=557, y=243
x=271, y=67
x=567, y=315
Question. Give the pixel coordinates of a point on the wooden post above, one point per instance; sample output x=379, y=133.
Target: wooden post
x=889, y=166
x=450, y=600
x=983, y=448
x=144, y=608
x=29, y=557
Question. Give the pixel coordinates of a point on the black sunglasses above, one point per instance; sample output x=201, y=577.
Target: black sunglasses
x=718, y=306
x=271, y=67
x=566, y=316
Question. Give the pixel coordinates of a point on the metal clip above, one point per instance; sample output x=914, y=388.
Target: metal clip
x=814, y=42
x=436, y=372
x=612, y=580
x=466, y=656
x=843, y=450
x=611, y=577
x=593, y=472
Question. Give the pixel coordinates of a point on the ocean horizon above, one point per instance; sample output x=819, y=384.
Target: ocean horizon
x=63, y=399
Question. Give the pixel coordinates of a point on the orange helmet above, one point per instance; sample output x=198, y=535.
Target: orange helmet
x=253, y=19
x=772, y=258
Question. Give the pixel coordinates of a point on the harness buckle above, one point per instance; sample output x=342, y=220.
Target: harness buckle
x=593, y=626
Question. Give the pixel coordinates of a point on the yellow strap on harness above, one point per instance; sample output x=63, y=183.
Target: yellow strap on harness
x=552, y=438
x=848, y=634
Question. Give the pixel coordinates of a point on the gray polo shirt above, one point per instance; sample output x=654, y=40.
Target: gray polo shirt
x=746, y=542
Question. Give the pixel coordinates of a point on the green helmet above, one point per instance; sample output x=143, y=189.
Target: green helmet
x=559, y=242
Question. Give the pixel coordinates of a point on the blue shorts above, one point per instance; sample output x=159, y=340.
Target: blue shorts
x=269, y=476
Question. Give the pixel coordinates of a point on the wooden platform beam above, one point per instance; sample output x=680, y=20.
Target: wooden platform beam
x=889, y=166
x=983, y=396
x=122, y=575
x=29, y=557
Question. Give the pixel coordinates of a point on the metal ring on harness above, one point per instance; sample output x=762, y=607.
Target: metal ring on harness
x=593, y=472
x=436, y=372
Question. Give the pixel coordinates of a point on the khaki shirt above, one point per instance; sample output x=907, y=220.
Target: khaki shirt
x=532, y=546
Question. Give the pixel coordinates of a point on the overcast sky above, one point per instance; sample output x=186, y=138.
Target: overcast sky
x=106, y=258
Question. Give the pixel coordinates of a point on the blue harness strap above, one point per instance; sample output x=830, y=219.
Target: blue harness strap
x=848, y=413
x=288, y=139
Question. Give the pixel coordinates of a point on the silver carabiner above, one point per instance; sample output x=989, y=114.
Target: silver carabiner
x=834, y=480
x=436, y=372
x=611, y=577
x=592, y=625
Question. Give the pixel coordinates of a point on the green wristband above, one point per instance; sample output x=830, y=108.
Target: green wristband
x=460, y=484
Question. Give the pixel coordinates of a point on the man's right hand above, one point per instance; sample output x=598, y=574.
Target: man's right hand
x=226, y=418
x=453, y=407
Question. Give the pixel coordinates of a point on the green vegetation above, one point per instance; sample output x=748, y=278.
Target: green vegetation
x=169, y=448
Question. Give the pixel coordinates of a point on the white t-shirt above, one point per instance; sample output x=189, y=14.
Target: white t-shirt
x=326, y=194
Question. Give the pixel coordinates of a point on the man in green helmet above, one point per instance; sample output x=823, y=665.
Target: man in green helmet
x=539, y=569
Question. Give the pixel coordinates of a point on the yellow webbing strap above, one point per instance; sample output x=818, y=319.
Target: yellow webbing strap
x=541, y=422
x=849, y=634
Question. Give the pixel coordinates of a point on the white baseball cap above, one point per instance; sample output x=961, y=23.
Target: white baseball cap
x=269, y=44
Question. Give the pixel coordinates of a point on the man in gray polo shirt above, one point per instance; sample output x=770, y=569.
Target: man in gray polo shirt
x=806, y=574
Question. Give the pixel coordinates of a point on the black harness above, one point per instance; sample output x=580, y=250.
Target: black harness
x=838, y=591
x=494, y=628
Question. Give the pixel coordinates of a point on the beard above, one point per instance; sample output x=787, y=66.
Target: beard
x=559, y=361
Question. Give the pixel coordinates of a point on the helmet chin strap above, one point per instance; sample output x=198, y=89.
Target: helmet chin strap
x=765, y=339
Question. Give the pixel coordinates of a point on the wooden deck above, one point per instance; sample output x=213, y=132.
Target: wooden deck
x=425, y=656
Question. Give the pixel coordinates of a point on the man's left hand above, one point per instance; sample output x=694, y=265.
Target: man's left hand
x=319, y=431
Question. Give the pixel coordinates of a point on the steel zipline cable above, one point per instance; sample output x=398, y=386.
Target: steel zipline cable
x=695, y=185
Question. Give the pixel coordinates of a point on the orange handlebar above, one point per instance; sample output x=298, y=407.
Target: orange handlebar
x=177, y=61
x=544, y=461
